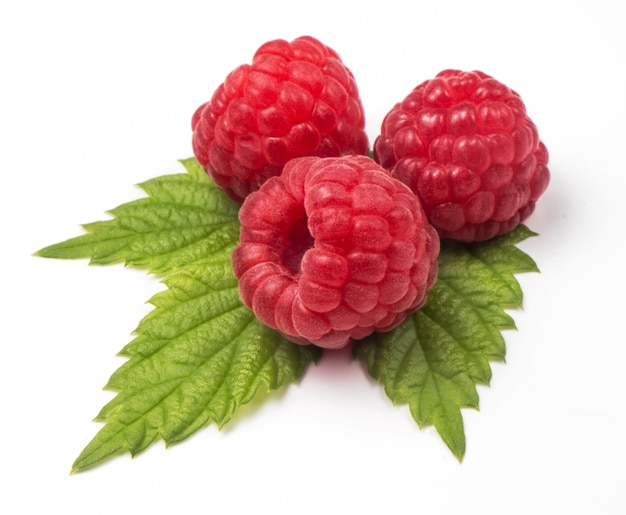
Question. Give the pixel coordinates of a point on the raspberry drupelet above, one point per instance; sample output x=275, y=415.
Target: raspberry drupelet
x=333, y=250
x=465, y=145
x=295, y=99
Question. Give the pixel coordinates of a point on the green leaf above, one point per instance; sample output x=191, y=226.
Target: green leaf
x=434, y=360
x=200, y=354
x=184, y=218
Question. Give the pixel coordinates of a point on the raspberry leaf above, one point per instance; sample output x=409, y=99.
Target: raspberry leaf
x=435, y=359
x=184, y=218
x=200, y=354
x=197, y=357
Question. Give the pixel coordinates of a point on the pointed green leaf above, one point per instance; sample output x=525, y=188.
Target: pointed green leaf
x=434, y=360
x=184, y=217
x=197, y=357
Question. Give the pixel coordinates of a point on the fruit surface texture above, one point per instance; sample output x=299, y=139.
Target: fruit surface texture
x=334, y=249
x=295, y=99
x=465, y=145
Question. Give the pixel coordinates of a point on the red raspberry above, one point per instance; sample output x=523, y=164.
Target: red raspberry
x=333, y=250
x=295, y=99
x=464, y=144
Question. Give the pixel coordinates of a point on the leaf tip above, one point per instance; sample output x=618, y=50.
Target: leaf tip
x=76, y=468
x=457, y=450
x=45, y=252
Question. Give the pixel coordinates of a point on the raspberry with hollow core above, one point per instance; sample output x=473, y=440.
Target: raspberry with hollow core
x=333, y=250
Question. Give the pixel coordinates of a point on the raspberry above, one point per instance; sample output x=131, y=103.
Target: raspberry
x=295, y=99
x=334, y=249
x=464, y=144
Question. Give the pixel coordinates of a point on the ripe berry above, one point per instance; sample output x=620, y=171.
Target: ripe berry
x=295, y=99
x=334, y=249
x=464, y=144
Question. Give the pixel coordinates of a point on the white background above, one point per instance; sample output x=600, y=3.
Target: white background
x=96, y=96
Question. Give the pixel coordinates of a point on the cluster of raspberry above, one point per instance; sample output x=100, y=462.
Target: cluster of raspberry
x=337, y=242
